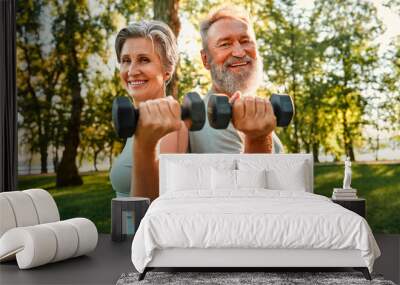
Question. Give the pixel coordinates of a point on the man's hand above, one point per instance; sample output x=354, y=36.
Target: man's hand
x=157, y=118
x=253, y=116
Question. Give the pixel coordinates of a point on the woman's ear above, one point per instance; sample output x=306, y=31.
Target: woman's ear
x=167, y=76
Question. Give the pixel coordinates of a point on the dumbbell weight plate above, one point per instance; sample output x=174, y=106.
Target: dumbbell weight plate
x=283, y=109
x=124, y=117
x=219, y=111
x=193, y=109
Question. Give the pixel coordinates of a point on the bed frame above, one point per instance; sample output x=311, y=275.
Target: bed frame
x=242, y=259
x=246, y=258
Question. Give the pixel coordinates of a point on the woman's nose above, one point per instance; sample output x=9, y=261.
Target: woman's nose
x=133, y=69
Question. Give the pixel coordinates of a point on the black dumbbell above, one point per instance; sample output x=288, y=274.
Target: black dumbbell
x=219, y=110
x=125, y=116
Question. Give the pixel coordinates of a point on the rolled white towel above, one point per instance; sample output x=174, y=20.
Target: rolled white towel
x=66, y=238
x=7, y=218
x=40, y=244
x=87, y=235
x=23, y=208
x=46, y=207
x=33, y=246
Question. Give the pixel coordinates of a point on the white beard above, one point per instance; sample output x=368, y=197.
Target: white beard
x=245, y=82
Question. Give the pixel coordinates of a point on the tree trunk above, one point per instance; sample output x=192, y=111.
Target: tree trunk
x=110, y=156
x=167, y=11
x=96, y=153
x=43, y=156
x=67, y=174
x=30, y=161
x=293, y=74
x=315, y=151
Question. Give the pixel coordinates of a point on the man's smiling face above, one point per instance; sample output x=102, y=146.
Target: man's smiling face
x=232, y=57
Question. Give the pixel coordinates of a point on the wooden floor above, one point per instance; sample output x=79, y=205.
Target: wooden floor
x=110, y=260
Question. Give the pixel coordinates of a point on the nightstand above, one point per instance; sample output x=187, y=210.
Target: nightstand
x=137, y=206
x=355, y=205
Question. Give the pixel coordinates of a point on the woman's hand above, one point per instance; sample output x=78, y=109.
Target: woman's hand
x=157, y=118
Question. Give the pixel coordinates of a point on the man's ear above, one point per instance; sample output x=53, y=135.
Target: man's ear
x=204, y=58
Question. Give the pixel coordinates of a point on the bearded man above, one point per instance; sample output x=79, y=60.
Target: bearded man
x=230, y=54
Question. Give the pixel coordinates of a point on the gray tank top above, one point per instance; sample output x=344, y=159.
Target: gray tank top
x=210, y=140
x=121, y=170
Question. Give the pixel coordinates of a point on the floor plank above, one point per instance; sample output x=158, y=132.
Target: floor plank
x=110, y=260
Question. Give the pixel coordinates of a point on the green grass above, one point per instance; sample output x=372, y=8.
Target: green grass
x=91, y=200
x=378, y=183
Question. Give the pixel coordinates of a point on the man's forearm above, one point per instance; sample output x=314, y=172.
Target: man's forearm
x=145, y=172
x=258, y=145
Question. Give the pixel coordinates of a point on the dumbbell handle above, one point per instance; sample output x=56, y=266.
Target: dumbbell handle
x=125, y=116
x=220, y=110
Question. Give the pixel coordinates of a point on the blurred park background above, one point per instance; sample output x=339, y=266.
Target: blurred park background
x=338, y=59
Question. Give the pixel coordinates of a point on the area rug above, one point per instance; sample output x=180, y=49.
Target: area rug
x=242, y=278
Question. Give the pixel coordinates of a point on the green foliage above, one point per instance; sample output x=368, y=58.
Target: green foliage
x=98, y=136
x=192, y=77
x=325, y=58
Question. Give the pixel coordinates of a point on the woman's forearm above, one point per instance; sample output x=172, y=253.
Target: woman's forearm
x=145, y=171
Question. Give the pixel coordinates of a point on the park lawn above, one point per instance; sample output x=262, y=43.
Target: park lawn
x=91, y=200
x=378, y=183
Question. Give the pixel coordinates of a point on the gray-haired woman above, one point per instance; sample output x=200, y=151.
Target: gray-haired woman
x=147, y=54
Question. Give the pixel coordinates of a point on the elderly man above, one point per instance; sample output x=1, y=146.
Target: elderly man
x=230, y=53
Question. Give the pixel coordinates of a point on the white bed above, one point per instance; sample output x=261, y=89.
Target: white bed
x=224, y=210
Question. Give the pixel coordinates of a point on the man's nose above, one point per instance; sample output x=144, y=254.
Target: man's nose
x=238, y=50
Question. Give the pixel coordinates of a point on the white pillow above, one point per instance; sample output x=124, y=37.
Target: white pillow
x=223, y=179
x=293, y=180
x=183, y=177
x=251, y=178
x=281, y=174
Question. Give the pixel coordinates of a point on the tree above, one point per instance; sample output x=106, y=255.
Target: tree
x=77, y=34
x=167, y=11
x=38, y=74
x=351, y=60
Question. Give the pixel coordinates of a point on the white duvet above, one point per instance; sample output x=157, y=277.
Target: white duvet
x=253, y=218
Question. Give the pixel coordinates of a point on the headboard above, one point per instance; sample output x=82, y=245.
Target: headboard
x=283, y=161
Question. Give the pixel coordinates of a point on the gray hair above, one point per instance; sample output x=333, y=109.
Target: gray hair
x=159, y=33
x=224, y=12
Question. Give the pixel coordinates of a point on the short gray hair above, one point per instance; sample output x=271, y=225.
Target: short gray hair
x=223, y=12
x=159, y=33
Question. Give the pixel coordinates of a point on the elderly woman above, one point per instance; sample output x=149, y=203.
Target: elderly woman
x=147, y=54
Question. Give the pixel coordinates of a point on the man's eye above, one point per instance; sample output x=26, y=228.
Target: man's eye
x=224, y=44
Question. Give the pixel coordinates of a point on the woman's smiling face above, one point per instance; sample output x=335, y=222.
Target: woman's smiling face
x=141, y=70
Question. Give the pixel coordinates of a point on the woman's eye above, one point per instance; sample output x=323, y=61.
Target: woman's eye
x=126, y=60
x=144, y=59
